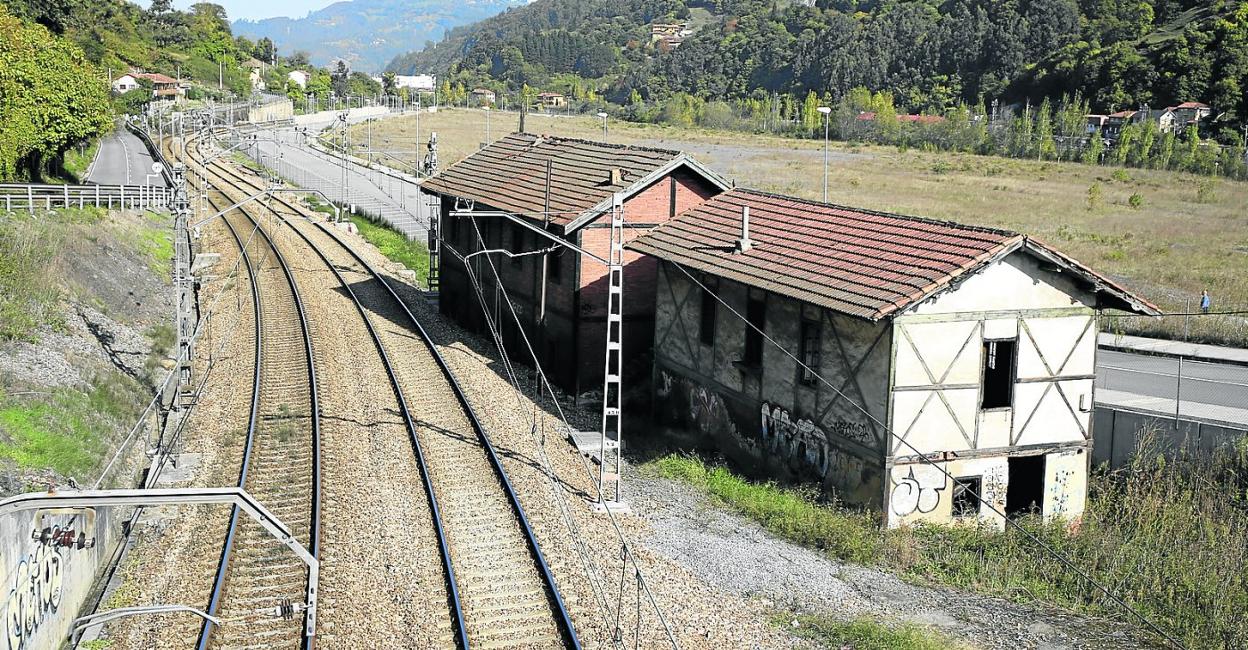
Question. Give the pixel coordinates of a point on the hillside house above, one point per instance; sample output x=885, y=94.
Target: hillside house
x=1177, y=119
x=559, y=295
x=483, y=97
x=1095, y=122
x=974, y=347
x=163, y=87
x=299, y=78
x=1115, y=121
x=552, y=100
x=255, y=73
x=125, y=83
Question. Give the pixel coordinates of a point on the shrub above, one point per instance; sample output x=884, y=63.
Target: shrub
x=1136, y=201
x=1121, y=176
x=1206, y=191
x=1094, y=196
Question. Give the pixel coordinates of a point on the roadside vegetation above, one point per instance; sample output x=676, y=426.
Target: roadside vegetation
x=865, y=634
x=29, y=248
x=395, y=245
x=1168, y=537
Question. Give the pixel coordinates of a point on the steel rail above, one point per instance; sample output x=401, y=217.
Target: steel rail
x=315, y=515
x=563, y=618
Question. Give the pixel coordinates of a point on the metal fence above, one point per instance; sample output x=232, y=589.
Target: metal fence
x=16, y=196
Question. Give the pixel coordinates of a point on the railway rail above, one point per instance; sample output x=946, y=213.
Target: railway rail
x=501, y=591
x=260, y=591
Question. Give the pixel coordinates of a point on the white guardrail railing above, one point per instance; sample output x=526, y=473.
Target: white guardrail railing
x=21, y=196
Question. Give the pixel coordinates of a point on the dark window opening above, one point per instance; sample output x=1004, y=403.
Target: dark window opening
x=756, y=324
x=998, y=374
x=706, y=331
x=966, y=491
x=1025, y=493
x=554, y=265
x=517, y=243
x=809, y=353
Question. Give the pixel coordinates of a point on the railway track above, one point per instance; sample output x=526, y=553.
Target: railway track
x=500, y=590
x=260, y=588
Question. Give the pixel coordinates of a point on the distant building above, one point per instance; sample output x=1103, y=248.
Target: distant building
x=1177, y=119
x=552, y=100
x=1095, y=122
x=484, y=97
x=125, y=83
x=424, y=83
x=299, y=78
x=559, y=294
x=255, y=73
x=1115, y=121
x=974, y=347
x=163, y=87
x=868, y=116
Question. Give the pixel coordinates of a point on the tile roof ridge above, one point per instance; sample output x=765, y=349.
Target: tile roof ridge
x=879, y=213
x=605, y=145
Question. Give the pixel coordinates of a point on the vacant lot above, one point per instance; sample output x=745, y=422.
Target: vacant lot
x=1179, y=234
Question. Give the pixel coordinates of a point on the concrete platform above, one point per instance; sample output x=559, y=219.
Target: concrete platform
x=1165, y=348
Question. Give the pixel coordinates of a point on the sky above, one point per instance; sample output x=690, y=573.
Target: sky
x=256, y=10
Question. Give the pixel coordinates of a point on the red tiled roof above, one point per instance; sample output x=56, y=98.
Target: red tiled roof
x=510, y=174
x=857, y=262
x=1123, y=114
x=156, y=78
x=1190, y=105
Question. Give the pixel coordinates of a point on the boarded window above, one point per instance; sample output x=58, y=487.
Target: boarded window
x=809, y=353
x=756, y=324
x=966, y=490
x=998, y=389
x=706, y=331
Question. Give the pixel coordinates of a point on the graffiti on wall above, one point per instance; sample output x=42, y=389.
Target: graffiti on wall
x=919, y=491
x=34, y=594
x=1060, y=490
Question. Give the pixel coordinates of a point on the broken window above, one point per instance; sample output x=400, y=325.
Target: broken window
x=1025, y=492
x=706, y=331
x=998, y=386
x=809, y=353
x=756, y=323
x=966, y=490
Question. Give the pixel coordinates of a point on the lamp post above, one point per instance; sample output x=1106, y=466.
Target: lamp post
x=827, y=111
x=487, y=123
x=603, y=115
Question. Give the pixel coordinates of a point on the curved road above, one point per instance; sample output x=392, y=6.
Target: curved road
x=123, y=160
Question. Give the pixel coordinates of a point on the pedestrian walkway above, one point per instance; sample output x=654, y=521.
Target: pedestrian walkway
x=1166, y=348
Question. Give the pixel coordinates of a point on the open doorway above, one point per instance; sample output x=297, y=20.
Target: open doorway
x=1025, y=493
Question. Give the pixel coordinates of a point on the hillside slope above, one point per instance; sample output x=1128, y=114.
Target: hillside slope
x=368, y=33
x=930, y=54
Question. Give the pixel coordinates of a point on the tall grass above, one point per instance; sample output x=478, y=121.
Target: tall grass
x=395, y=246
x=865, y=634
x=27, y=294
x=1168, y=537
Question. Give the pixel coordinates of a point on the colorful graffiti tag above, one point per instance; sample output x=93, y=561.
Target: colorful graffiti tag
x=34, y=595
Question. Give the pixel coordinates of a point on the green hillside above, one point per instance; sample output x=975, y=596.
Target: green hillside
x=929, y=54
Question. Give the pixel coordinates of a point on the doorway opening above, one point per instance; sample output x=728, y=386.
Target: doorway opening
x=1025, y=493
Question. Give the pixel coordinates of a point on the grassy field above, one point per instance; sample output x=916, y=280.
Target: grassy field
x=1171, y=539
x=865, y=634
x=1166, y=235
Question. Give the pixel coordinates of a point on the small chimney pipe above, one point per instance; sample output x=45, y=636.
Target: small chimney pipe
x=744, y=244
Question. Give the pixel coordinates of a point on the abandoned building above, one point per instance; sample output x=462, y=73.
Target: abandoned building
x=971, y=347
x=565, y=187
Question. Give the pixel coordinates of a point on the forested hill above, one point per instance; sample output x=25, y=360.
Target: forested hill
x=929, y=53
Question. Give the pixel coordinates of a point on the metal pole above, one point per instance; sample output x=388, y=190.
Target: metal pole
x=1178, y=392
x=825, y=157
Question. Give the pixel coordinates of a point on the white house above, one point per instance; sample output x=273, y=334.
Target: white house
x=125, y=83
x=299, y=78
x=932, y=347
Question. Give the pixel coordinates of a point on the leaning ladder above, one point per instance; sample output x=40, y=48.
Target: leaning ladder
x=610, y=488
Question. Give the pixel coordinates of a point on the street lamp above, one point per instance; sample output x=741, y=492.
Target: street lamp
x=827, y=111
x=487, y=123
x=603, y=115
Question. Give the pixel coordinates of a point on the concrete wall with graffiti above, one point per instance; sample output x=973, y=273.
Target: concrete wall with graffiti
x=764, y=416
x=45, y=586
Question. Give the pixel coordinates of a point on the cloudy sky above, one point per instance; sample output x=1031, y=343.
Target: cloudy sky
x=252, y=9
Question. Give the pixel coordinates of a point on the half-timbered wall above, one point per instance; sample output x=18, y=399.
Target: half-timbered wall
x=937, y=403
x=765, y=416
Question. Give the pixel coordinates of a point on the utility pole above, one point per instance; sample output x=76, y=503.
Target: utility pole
x=827, y=113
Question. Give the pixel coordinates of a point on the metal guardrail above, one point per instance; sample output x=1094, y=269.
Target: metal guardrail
x=19, y=196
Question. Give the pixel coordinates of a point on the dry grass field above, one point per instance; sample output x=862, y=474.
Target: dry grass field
x=1180, y=233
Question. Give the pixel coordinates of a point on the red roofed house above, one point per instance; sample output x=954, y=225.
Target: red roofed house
x=566, y=187
x=162, y=86
x=974, y=346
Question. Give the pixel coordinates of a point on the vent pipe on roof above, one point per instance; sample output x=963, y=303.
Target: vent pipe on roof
x=615, y=176
x=744, y=244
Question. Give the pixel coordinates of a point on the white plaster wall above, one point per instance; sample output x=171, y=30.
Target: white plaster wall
x=1065, y=484
x=921, y=493
x=1013, y=283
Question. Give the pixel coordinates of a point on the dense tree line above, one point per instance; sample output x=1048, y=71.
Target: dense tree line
x=931, y=55
x=51, y=98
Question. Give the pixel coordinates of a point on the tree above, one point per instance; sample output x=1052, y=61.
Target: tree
x=51, y=97
x=265, y=50
x=1096, y=146
x=1046, y=147
x=389, y=84
x=339, y=79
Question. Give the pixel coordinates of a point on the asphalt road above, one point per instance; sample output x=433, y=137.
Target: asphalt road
x=399, y=203
x=123, y=160
x=1154, y=376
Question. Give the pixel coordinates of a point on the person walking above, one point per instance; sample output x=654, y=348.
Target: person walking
x=1205, y=301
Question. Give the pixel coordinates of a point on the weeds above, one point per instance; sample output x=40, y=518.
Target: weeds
x=1136, y=201
x=395, y=246
x=1206, y=191
x=1169, y=537
x=865, y=634
x=28, y=295
x=1094, y=196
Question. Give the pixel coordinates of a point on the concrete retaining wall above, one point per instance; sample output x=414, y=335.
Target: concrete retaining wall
x=323, y=116
x=279, y=110
x=1117, y=432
